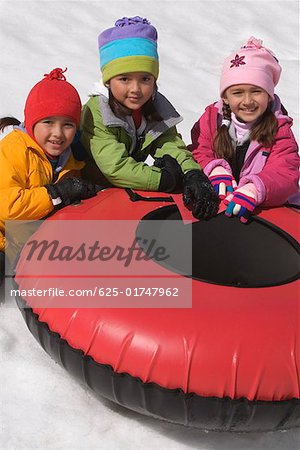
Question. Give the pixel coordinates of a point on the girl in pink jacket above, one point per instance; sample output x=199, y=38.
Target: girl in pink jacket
x=244, y=142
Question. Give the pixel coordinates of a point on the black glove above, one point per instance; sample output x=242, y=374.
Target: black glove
x=171, y=174
x=72, y=189
x=199, y=195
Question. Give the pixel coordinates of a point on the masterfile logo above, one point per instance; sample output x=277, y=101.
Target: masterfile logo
x=104, y=264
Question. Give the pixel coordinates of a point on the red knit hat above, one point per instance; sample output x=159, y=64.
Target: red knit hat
x=52, y=96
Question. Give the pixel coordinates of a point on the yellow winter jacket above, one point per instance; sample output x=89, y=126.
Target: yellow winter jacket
x=24, y=170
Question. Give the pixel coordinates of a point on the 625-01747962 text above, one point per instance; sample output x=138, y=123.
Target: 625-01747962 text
x=100, y=292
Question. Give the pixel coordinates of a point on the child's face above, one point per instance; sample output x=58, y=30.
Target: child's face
x=132, y=89
x=246, y=101
x=54, y=134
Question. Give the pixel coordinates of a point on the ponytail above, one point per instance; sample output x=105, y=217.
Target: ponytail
x=8, y=121
x=264, y=131
x=222, y=142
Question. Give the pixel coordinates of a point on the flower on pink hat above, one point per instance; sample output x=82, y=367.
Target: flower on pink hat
x=237, y=61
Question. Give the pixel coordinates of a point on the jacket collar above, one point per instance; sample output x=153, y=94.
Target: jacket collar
x=168, y=113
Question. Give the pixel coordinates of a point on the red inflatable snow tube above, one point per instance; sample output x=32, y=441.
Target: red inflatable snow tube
x=231, y=362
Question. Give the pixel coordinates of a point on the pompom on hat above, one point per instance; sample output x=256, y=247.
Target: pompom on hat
x=52, y=96
x=252, y=64
x=129, y=46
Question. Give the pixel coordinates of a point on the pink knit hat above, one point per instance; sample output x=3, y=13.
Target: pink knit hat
x=252, y=64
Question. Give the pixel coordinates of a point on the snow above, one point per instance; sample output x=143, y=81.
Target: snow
x=42, y=407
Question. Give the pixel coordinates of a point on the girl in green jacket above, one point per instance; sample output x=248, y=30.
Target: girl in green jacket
x=135, y=121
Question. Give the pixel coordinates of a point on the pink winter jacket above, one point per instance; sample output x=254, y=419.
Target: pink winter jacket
x=274, y=170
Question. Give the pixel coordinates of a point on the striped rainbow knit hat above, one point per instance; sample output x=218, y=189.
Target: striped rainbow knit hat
x=130, y=46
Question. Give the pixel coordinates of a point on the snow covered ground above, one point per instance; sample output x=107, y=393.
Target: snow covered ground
x=41, y=406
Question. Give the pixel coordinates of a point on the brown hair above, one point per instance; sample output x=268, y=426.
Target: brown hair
x=148, y=109
x=263, y=131
x=7, y=121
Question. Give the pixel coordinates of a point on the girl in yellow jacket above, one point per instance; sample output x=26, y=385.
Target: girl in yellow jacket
x=38, y=170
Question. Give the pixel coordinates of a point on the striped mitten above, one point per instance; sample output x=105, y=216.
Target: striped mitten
x=242, y=202
x=222, y=181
